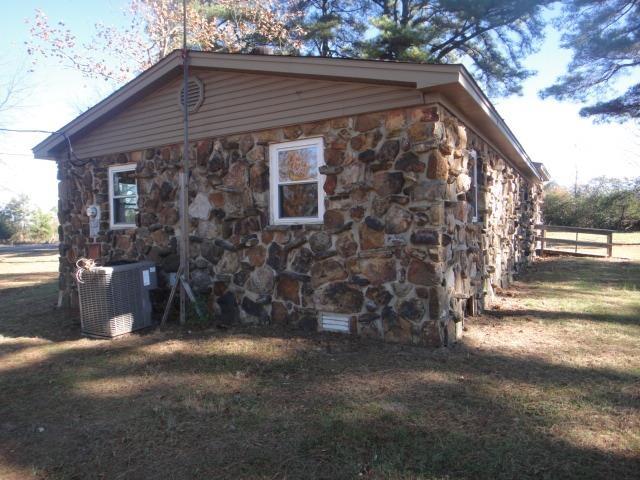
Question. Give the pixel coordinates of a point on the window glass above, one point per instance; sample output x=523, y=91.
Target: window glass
x=124, y=183
x=123, y=196
x=124, y=210
x=299, y=200
x=298, y=165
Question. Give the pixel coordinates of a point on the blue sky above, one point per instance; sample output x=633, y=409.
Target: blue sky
x=52, y=93
x=552, y=132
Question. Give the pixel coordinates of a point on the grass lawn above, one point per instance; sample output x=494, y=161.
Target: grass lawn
x=546, y=385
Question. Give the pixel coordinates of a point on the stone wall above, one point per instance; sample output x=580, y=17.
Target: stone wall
x=398, y=250
x=509, y=207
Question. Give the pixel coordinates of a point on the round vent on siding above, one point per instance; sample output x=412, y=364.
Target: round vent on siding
x=195, y=95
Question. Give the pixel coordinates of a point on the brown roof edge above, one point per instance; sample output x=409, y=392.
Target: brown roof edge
x=117, y=98
x=471, y=86
x=416, y=75
x=542, y=170
x=368, y=71
x=420, y=76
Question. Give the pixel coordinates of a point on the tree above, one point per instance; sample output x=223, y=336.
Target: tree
x=13, y=87
x=605, y=40
x=602, y=203
x=494, y=35
x=155, y=30
x=15, y=217
x=332, y=27
x=7, y=229
x=559, y=205
x=21, y=222
x=41, y=226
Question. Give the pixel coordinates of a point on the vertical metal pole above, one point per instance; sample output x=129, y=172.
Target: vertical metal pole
x=184, y=177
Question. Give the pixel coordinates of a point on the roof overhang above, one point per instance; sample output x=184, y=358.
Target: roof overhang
x=543, y=172
x=451, y=81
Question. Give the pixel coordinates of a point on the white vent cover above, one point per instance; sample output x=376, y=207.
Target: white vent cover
x=334, y=322
x=195, y=94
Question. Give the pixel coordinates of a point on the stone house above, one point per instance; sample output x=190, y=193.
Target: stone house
x=378, y=198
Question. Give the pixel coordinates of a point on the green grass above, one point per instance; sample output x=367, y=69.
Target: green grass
x=546, y=385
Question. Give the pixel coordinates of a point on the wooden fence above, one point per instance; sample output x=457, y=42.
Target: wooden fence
x=545, y=241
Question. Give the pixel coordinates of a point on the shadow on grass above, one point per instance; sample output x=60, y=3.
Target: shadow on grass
x=27, y=284
x=593, y=290
x=622, y=319
x=31, y=312
x=586, y=272
x=389, y=411
x=268, y=404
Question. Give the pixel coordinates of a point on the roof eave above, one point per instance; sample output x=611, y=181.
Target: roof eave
x=44, y=149
x=358, y=70
x=423, y=77
x=544, y=173
x=369, y=71
x=470, y=85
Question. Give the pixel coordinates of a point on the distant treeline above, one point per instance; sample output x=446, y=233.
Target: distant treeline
x=21, y=222
x=610, y=203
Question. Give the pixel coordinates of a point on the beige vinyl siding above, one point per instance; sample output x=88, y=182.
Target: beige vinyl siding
x=235, y=103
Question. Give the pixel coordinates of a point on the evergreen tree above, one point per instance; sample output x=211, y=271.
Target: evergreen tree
x=7, y=229
x=41, y=226
x=493, y=35
x=15, y=217
x=332, y=27
x=605, y=39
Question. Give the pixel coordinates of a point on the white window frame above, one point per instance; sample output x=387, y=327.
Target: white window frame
x=129, y=167
x=274, y=183
x=473, y=155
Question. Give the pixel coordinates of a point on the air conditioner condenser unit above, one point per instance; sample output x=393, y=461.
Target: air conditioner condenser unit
x=115, y=299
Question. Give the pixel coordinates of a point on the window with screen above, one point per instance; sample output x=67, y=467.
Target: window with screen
x=123, y=196
x=296, y=190
x=475, y=165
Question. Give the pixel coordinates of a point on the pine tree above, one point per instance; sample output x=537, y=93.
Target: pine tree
x=332, y=27
x=493, y=35
x=605, y=39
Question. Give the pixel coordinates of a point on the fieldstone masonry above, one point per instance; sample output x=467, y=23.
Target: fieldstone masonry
x=398, y=250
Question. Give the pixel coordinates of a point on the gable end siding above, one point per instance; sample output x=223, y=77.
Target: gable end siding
x=235, y=103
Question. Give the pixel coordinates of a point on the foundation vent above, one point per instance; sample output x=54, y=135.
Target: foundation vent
x=334, y=322
x=195, y=94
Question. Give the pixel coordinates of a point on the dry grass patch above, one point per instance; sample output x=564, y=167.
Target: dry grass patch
x=545, y=386
x=627, y=247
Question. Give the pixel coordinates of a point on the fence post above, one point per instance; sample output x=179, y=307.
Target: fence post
x=542, y=242
x=610, y=244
